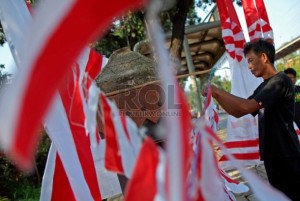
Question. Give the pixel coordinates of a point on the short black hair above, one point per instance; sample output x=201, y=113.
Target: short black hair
x=290, y=71
x=261, y=46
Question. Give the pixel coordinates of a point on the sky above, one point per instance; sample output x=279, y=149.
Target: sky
x=284, y=18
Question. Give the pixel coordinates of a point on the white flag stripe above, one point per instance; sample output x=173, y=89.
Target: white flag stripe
x=252, y=27
x=15, y=20
x=210, y=175
x=135, y=138
x=161, y=177
x=47, y=183
x=174, y=143
x=108, y=181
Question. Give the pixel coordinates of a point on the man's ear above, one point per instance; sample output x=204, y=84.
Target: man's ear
x=264, y=57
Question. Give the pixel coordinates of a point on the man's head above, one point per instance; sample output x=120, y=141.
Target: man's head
x=291, y=73
x=260, y=55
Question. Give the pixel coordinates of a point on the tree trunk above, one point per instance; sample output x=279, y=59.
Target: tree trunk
x=178, y=21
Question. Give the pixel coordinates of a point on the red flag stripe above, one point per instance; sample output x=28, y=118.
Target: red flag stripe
x=242, y=156
x=231, y=29
x=113, y=161
x=61, y=185
x=241, y=144
x=265, y=24
x=142, y=185
x=252, y=19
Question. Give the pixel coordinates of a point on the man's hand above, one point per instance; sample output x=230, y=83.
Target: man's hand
x=208, y=89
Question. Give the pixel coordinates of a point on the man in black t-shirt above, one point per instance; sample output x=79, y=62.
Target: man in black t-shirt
x=273, y=101
x=292, y=74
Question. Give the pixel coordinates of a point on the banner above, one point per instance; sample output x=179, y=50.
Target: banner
x=243, y=84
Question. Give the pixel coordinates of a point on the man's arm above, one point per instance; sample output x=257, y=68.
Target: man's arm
x=234, y=105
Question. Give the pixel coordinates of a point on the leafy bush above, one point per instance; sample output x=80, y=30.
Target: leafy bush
x=16, y=185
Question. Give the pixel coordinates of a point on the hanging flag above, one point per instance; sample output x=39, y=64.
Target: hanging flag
x=252, y=20
x=122, y=135
x=45, y=64
x=207, y=173
x=203, y=148
x=56, y=185
x=231, y=30
x=147, y=181
x=264, y=20
x=257, y=20
x=85, y=150
x=113, y=161
x=297, y=130
x=210, y=111
x=243, y=83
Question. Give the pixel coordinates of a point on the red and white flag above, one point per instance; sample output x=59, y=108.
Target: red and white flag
x=257, y=20
x=244, y=129
x=123, y=139
x=148, y=179
x=77, y=148
x=231, y=30
x=297, y=130
x=45, y=64
x=205, y=171
x=210, y=111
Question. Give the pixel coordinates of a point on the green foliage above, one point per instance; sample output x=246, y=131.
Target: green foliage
x=131, y=29
x=4, y=77
x=222, y=83
x=2, y=37
x=292, y=60
x=16, y=185
x=192, y=98
x=109, y=43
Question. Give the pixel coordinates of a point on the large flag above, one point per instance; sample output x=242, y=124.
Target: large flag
x=243, y=83
x=57, y=36
x=257, y=20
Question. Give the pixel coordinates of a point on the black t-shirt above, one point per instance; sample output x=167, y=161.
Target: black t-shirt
x=277, y=136
x=297, y=106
